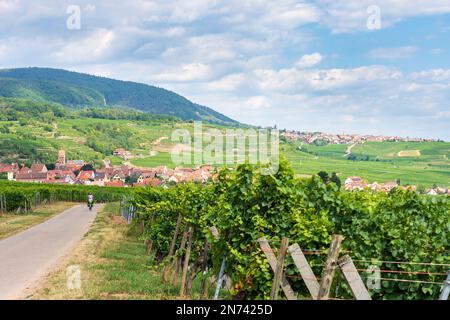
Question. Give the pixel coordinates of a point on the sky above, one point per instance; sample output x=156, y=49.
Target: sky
x=340, y=66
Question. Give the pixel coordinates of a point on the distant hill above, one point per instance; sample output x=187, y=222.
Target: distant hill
x=82, y=90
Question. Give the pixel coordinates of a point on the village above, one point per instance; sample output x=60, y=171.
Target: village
x=316, y=137
x=80, y=172
x=357, y=183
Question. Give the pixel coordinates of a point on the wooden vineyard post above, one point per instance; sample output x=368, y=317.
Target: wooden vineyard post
x=330, y=266
x=204, y=286
x=141, y=228
x=171, y=261
x=149, y=243
x=186, y=263
x=354, y=280
x=180, y=258
x=265, y=247
x=220, y=279
x=446, y=289
x=148, y=246
x=175, y=236
x=279, y=269
x=206, y=283
x=305, y=270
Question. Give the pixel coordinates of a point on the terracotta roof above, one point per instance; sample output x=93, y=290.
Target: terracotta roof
x=86, y=175
x=24, y=170
x=114, y=184
x=38, y=167
x=9, y=167
x=40, y=176
x=154, y=182
x=59, y=174
x=73, y=166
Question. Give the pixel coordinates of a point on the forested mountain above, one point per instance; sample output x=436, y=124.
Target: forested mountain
x=82, y=90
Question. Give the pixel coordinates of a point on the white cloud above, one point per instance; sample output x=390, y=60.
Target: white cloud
x=351, y=16
x=309, y=60
x=443, y=115
x=96, y=45
x=258, y=102
x=348, y=118
x=188, y=11
x=435, y=75
x=393, y=53
x=323, y=79
x=8, y=5
x=437, y=51
x=290, y=14
x=228, y=83
x=189, y=72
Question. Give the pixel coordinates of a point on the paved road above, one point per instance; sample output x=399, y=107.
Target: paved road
x=27, y=256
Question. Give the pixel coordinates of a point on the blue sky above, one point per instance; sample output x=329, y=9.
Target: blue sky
x=304, y=65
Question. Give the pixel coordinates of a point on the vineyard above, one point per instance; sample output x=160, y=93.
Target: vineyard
x=23, y=197
x=194, y=230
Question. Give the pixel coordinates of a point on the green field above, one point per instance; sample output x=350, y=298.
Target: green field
x=384, y=164
x=160, y=159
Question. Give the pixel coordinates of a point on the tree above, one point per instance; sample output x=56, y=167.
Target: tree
x=132, y=179
x=324, y=176
x=334, y=178
x=87, y=167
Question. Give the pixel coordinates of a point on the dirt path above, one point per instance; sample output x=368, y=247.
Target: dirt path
x=27, y=256
x=157, y=142
x=349, y=150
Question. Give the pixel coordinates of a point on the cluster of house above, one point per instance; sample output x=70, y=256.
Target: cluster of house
x=311, y=137
x=74, y=172
x=438, y=191
x=358, y=183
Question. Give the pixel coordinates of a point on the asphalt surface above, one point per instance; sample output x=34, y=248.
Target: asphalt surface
x=27, y=256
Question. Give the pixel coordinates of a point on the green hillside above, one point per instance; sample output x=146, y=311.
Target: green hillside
x=32, y=131
x=82, y=90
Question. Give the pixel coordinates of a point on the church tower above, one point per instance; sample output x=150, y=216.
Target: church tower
x=61, y=157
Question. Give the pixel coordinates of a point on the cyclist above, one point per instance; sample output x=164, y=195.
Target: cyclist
x=90, y=200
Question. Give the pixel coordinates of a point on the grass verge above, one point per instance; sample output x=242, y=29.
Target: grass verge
x=113, y=266
x=11, y=224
